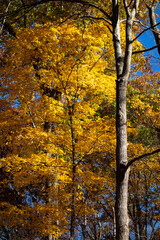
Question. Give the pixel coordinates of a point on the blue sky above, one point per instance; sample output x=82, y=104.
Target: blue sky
x=147, y=39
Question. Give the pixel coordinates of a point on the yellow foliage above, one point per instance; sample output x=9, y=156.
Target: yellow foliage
x=72, y=62
x=55, y=145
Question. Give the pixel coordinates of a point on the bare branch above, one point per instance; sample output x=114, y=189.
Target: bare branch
x=71, y=16
x=141, y=156
x=97, y=18
x=90, y=5
x=97, y=61
x=148, y=28
x=158, y=58
x=146, y=50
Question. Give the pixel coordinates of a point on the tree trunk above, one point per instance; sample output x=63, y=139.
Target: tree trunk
x=146, y=207
x=49, y=200
x=123, y=69
x=122, y=219
x=114, y=224
x=152, y=18
x=121, y=206
x=72, y=227
x=51, y=183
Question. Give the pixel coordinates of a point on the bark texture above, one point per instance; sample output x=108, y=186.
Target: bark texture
x=153, y=23
x=122, y=219
x=123, y=63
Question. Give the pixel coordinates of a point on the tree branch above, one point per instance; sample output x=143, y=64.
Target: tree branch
x=134, y=8
x=153, y=23
x=141, y=156
x=126, y=7
x=146, y=50
x=97, y=61
x=151, y=172
x=4, y=19
x=70, y=1
x=96, y=18
x=148, y=28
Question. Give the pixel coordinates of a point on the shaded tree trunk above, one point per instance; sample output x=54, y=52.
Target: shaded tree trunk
x=72, y=227
x=114, y=224
x=48, y=201
x=146, y=208
x=51, y=183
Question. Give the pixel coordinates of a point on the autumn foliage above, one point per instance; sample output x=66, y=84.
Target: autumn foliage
x=58, y=136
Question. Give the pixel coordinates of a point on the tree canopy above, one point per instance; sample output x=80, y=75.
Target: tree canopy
x=61, y=120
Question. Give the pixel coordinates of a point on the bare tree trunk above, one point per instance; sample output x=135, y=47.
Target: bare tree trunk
x=122, y=230
x=122, y=176
x=123, y=69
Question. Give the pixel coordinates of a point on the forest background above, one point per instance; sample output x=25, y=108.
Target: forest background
x=59, y=126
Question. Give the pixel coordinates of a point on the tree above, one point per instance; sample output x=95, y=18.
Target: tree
x=116, y=12
x=46, y=135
